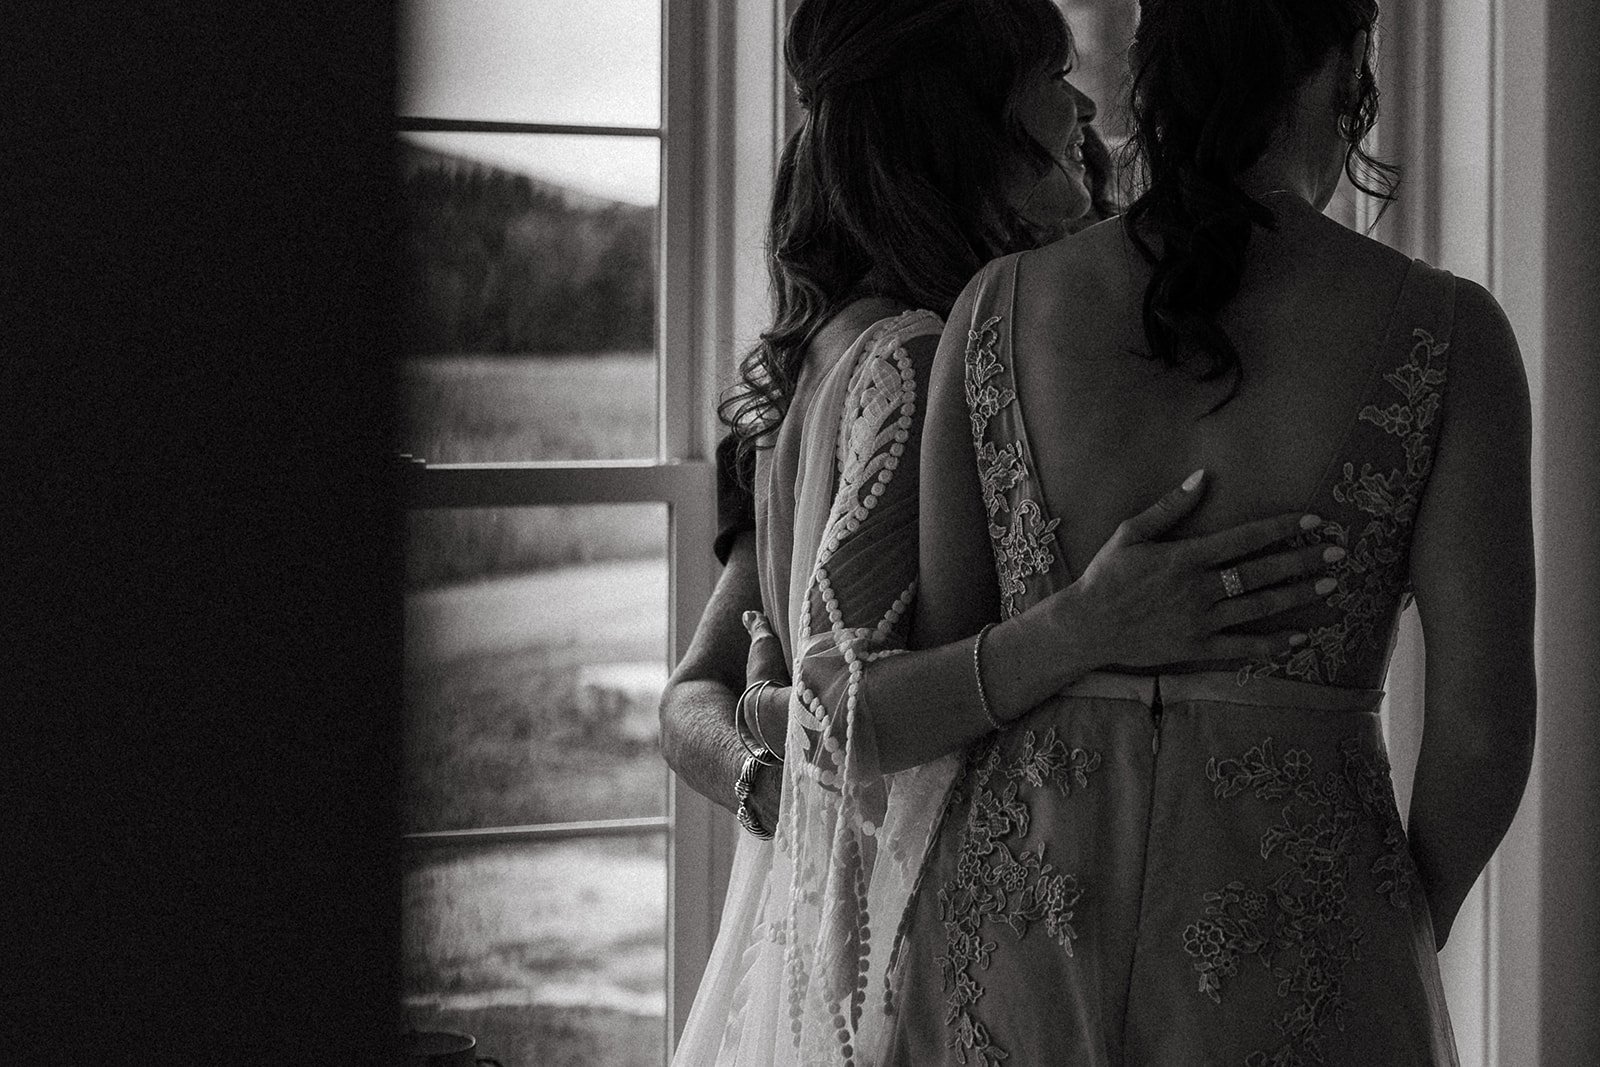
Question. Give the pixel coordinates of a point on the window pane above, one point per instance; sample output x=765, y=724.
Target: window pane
x=531, y=268
x=535, y=655
x=546, y=953
x=1102, y=30
x=556, y=61
x=532, y=288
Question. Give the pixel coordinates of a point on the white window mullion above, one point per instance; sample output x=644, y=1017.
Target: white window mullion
x=510, y=485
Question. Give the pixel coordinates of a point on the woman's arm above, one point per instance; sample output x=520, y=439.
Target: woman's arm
x=1473, y=575
x=698, y=737
x=1139, y=602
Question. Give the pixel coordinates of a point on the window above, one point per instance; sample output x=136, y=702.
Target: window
x=579, y=243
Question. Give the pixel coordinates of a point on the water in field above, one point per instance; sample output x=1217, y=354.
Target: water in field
x=535, y=656
x=549, y=954
x=531, y=698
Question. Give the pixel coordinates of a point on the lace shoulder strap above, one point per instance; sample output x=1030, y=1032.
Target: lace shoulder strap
x=1370, y=496
x=1397, y=430
x=1021, y=529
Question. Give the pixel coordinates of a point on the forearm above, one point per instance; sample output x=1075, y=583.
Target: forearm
x=698, y=739
x=1465, y=795
x=926, y=703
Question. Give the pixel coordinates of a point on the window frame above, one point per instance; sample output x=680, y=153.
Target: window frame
x=723, y=116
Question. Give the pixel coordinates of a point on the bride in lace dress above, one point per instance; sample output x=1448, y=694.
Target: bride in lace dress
x=1201, y=858
x=975, y=138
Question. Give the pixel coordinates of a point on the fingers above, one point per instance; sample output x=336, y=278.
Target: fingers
x=1271, y=601
x=1286, y=566
x=1249, y=537
x=766, y=651
x=756, y=624
x=1253, y=646
x=1165, y=513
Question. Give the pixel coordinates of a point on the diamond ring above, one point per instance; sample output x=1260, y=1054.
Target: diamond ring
x=1232, y=584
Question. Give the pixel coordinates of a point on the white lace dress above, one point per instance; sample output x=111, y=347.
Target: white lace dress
x=799, y=971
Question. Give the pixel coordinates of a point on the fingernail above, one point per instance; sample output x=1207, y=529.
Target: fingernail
x=1332, y=554
x=1326, y=586
x=1296, y=640
x=1193, y=480
x=1310, y=522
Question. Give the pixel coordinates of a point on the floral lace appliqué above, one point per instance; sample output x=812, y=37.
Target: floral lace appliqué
x=1372, y=575
x=1000, y=883
x=1298, y=925
x=998, y=880
x=1022, y=537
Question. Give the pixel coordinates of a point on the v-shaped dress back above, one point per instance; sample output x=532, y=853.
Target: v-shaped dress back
x=1201, y=868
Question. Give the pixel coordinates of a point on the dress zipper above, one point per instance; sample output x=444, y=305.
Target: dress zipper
x=1155, y=719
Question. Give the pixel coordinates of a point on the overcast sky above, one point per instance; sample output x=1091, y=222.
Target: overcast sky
x=589, y=62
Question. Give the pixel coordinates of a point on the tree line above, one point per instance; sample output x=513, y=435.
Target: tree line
x=498, y=262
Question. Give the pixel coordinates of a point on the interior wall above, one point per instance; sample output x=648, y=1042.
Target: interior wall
x=1568, y=518
x=1491, y=106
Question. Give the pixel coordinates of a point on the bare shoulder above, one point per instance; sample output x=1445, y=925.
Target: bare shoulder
x=1480, y=321
x=1097, y=249
x=1348, y=246
x=1099, y=267
x=1487, y=418
x=1485, y=361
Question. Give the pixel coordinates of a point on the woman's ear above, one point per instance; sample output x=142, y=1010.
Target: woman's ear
x=1358, y=61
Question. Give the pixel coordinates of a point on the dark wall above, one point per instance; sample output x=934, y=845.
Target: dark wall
x=201, y=617
x=1570, y=592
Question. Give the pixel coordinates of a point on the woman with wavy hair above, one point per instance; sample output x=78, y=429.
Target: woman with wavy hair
x=1201, y=858
x=937, y=136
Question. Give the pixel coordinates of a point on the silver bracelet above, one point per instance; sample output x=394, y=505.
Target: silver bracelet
x=977, y=674
x=755, y=723
x=743, y=786
x=759, y=751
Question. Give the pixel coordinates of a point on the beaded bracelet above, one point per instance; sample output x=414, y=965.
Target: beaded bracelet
x=977, y=674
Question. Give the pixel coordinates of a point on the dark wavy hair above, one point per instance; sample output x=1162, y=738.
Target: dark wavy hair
x=1212, y=81
x=893, y=184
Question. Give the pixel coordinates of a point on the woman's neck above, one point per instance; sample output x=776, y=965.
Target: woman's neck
x=1277, y=176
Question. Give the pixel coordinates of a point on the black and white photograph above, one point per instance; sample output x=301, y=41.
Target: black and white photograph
x=803, y=533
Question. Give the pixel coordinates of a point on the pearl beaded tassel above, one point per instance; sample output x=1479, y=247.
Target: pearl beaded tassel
x=871, y=446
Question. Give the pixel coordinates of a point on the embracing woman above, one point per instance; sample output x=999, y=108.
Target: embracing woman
x=938, y=135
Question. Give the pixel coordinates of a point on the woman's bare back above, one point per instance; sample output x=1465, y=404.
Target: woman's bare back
x=1112, y=429
x=1319, y=320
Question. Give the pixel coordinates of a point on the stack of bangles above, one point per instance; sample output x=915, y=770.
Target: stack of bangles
x=759, y=754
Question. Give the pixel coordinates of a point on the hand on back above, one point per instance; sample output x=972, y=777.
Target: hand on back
x=1149, y=602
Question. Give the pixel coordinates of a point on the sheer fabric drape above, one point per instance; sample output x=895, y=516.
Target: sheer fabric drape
x=803, y=967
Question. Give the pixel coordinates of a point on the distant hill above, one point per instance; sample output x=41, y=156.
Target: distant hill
x=501, y=262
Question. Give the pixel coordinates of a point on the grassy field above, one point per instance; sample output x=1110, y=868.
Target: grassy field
x=461, y=409
x=474, y=409
x=535, y=653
